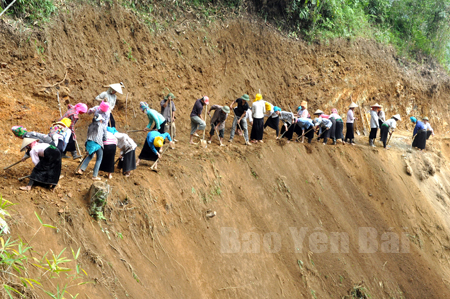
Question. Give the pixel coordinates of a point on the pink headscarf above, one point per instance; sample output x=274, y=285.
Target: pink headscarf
x=334, y=110
x=104, y=106
x=81, y=108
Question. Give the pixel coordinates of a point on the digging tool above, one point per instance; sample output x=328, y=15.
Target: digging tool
x=59, y=104
x=79, y=165
x=78, y=148
x=133, y=131
x=390, y=136
x=126, y=109
x=217, y=133
x=7, y=8
x=7, y=167
x=303, y=135
x=280, y=139
x=203, y=142
x=153, y=166
x=24, y=177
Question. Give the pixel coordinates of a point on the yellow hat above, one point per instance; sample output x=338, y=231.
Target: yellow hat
x=66, y=121
x=258, y=97
x=304, y=104
x=158, y=141
x=268, y=106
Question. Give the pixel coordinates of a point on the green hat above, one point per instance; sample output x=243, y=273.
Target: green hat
x=226, y=109
x=245, y=97
x=169, y=95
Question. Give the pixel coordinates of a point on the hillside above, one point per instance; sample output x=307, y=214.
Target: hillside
x=157, y=242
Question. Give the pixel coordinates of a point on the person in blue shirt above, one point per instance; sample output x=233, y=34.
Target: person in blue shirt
x=419, y=134
x=304, y=127
x=152, y=147
x=153, y=116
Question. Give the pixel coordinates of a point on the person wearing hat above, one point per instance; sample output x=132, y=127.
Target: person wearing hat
x=152, y=146
x=73, y=113
x=319, y=113
x=109, y=152
x=153, y=116
x=60, y=134
x=218, y=121
x=22, y=133
x=419, y=134
x=47, y=161
x=104, y=110
x=430, y=130
x=96, y=135
x=336, y=132
x=388, y=127
x=239, y=119
x=110, y=97
x=197, y=121
x=304, y=127
x=323, y=126
x=302, y=111
x=374, y=124
x=127, y=146
x=258, y=111
x=287, y=129
x=273, y=119
x=168, y=112
x=350, y=134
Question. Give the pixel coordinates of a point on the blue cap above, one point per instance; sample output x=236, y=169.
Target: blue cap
x=111, y=130
x=276, y=108
x=413, y=119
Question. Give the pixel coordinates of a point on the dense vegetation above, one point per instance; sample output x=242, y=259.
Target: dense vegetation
x=418, y=28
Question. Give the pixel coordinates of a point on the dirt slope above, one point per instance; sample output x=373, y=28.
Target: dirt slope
x=157, y=242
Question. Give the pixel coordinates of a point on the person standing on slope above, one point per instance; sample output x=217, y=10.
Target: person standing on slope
x=374, y=124
x=288, y=124
x=153, y=116
x=197, y=121
x=336, y=133
x=419, y=134
x=305, y=127
x=258, y=110
x=381, y=118
x=302, y=111
x=152, y=147
x=350, y=134
x=239, y=117
x=110, y=97
x=168, y=111
x=72, y=114
x=47, y=161
x=273, y=120
x=127, y=159
x=430, y=130
x=218, y=121
x=388, y=127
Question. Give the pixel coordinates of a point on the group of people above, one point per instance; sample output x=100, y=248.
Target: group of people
x=47, y=150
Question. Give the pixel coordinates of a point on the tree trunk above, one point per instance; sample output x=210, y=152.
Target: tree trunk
x=98, y=195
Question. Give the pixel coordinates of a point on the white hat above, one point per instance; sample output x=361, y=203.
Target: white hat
x=318, y=111
x=117, y=87
x=25, y=142
x=397, y=117
x=376, y=106
x=353, y=105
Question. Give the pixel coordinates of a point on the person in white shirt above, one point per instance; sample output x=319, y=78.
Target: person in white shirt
x=258, y=110
x=374, y=124
x=350, y=134
x=110, y=97
x=430, y=130
x=47, y=161
x=388, y=127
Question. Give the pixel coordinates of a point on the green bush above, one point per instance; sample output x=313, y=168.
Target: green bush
x=31, y=10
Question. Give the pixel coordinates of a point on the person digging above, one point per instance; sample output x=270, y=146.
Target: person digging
x=218, y=121
x=197, y=121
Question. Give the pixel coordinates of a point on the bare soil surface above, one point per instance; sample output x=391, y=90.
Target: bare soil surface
x=279, y=208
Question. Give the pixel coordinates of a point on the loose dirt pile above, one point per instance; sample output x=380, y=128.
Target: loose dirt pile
x=280, y=210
